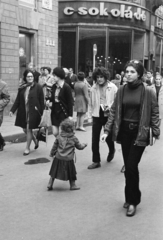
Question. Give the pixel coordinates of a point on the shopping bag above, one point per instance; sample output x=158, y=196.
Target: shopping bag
x=46, y=118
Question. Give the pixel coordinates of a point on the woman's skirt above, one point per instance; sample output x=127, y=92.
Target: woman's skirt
x=63, y=170
x=57, y=115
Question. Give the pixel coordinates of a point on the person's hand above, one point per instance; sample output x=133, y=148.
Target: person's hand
x=154, y=140
x=71, y=118
x=103, y=137
x=47, y=103
x=10, y=114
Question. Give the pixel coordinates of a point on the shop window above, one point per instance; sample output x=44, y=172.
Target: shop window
x=119, y=50
x=24, y=52
x=138, y=46
x=87, y=38
x=67, y=48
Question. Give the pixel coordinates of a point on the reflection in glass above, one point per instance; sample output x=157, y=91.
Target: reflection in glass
x=67, y=47
x=87, y=38
x=119, y=50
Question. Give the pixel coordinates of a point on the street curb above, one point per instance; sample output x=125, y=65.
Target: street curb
x=21, y=137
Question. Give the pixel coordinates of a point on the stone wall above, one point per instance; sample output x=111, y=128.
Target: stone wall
x=42, y=23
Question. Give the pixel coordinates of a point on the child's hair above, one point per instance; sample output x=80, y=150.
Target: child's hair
x=67, y=125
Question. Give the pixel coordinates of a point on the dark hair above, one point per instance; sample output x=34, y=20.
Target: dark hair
x=59, y=72
x=101, y=71
x=138, y=67
x=26, y=73
x=81, y=76
x=48, y=68
x=67, y=125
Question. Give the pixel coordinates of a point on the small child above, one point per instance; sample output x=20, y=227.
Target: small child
x=63, y=150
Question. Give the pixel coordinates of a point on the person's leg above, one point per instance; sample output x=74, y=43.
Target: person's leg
x=55, y=130
x=96, y=129
x=50, y=184
x=81, y=121
x=132, y=155
x=77, y=121
x=73, y=185
x=109, y=141
x=29, y=139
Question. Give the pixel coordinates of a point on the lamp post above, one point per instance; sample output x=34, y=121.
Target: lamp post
x=94, y=54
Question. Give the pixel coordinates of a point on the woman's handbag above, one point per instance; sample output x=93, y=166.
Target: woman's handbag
x=46, y=118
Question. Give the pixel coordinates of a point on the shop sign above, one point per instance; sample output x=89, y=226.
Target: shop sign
x=27, y=3
x=50, y=42
x=123, y=12
x=159, y=23
x=47, y=4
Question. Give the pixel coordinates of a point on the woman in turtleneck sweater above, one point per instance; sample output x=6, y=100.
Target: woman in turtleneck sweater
x=133, y=112
x=158, y=88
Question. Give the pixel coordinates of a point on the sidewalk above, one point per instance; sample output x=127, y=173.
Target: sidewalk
x=11, y=133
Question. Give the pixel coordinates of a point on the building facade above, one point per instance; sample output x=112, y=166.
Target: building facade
x=28, y=33
x=109, y=33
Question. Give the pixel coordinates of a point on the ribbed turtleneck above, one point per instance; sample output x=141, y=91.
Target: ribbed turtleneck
x=132, y=101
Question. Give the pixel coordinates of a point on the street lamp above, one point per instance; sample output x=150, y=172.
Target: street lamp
x=94, y=54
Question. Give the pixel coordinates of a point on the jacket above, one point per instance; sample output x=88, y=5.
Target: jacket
x=64, y=146
x=65, y=99
x=95, y=97
x=35, y=100
x=160, y=100
x=149, y=117
x=4, y=98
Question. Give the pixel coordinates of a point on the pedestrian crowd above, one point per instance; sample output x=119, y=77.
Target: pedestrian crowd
x=128, y=108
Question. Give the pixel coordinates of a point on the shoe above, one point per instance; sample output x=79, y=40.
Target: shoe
x=110, y=156
x=82, y=129
x=126, y=205
x=131, y=210
x=94, y=165
x=25, y=153
x=49, y=188
x=123, y=169
x=74, y=188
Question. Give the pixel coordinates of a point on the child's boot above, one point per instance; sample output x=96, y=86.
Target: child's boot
x=50, y=184
x=73, y=186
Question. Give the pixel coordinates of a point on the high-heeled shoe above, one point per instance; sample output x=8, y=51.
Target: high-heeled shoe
x=131, y=210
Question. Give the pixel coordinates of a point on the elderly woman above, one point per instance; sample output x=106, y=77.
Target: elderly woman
x=81, y=100
x=29, y=98
x=133, y=112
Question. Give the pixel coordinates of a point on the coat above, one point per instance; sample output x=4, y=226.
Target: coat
x=35, y=99
x=149, y=117
x=65, y=100
x=64, y=146
x=95, y=97
x=160, y=100
x=4, y=98
x=81, y=97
